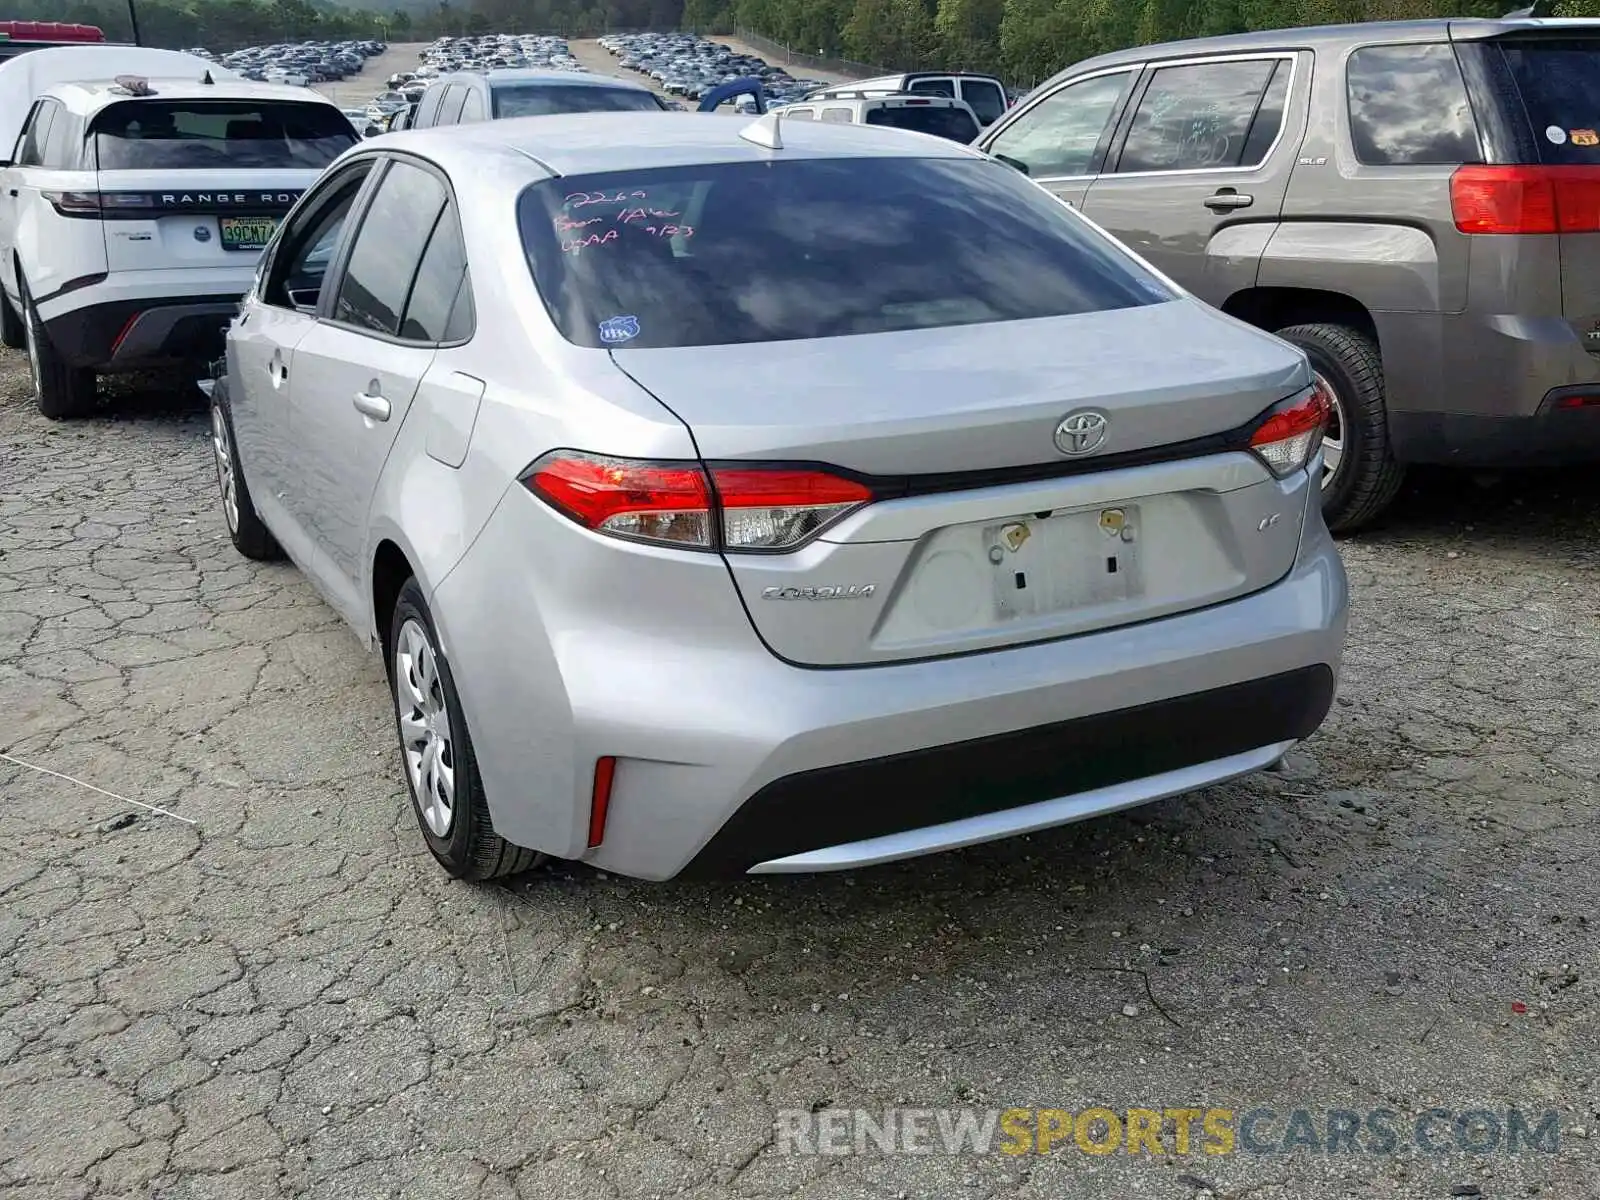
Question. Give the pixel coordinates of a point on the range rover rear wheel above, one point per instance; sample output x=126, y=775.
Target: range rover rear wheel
x=60, y=389
x=1360, y=476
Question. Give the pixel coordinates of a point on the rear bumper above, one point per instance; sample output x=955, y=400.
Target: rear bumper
x=126, y=335
x=1561, y=431
x=855, y=814
x=1483, y=390
x=729, y=759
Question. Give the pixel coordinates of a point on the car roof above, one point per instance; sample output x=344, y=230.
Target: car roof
x=592, y=143
x=496, y=75
x=91, y=96
x=1314, y=37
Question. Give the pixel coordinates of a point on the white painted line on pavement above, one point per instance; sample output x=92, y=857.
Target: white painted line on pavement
x=125, y=799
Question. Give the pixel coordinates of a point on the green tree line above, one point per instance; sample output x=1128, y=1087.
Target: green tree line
x=1028, y=40
x=1022, y=40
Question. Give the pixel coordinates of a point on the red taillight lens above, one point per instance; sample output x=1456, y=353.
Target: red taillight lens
x=100, y=204
x=1526, y=199
x=743, y=508
x=668, y=503
x=1291, y=432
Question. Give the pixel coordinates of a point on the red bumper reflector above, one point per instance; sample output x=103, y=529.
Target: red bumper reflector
x=604, y=770
x=116, y=343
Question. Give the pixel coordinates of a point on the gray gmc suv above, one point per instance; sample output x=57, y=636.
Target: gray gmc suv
x=1416, y=204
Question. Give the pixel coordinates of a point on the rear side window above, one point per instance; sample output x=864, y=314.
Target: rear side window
x=1408, y=107
x=939, y=120
x=439, y=277
x=542, y=100
x=450, y=106
x=799, y=114
x=769, y=251
x=472, y=106
x=985, y=98
x=839, y=116
x=1559, y=81
x=31, y=151
x=199, y=135
x=1196, y=117
x=388, y=248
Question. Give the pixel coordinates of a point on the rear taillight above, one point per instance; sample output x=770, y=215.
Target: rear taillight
x=101, y=204
x=1291, y=432
x=744, y=508
x=1526, y=199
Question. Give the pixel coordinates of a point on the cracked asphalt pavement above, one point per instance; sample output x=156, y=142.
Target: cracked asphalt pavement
x=274, y=992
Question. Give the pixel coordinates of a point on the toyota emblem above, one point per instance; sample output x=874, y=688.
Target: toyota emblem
x=1082, y=432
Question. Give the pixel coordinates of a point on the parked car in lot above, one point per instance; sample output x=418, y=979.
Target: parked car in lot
x=1412, y=203
x=773, y=496
x=983, y=94
x=690, y=66
x=493, y=95
x=133, y=215
x=934, y=115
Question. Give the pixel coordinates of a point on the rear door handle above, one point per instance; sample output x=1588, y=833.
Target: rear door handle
x=375, y=407
x=1228, y=198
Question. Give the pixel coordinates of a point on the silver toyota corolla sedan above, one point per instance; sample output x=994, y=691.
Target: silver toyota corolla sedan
x=749, y=496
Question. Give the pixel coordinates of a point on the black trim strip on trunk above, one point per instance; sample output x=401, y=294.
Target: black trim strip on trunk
x=900, y=487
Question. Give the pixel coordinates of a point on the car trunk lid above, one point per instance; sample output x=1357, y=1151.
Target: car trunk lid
x=985, y=532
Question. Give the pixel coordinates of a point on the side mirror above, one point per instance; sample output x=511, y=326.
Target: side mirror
x=1012, y=162
x=371, y=131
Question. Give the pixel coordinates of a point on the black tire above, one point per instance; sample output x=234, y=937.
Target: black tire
x=13, y=334
x=467, y=846
x=61, y=391
x=1368, y=477
x=250, y=535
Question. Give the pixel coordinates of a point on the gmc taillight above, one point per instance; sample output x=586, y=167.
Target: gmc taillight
x=744, y=508
x=1526, y=199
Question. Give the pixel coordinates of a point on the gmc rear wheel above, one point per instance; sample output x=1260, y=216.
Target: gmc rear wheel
x=1360, y=475
x=61, y=390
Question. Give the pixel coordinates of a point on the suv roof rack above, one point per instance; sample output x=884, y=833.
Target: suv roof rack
x=858, y=94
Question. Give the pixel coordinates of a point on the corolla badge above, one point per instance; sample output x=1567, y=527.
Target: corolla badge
x=1082, y=431
x=847, y=591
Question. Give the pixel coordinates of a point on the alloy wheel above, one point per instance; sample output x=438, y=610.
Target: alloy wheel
x=222, y=450
x=1333, y=438
x=425, y=727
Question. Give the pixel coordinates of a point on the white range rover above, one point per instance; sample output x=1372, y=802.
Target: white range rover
x=132, y=216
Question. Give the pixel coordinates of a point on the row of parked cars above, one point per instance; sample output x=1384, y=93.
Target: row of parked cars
x=597, y=425
x=687, y=65
x=297, y=63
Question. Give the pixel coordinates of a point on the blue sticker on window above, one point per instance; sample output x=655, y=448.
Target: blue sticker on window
x=617, y=330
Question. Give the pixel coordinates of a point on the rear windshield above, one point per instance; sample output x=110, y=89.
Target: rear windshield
x=547, y=99
x=1560, y=85
x=807, y=248
x=939, y=120
x=197, y=135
